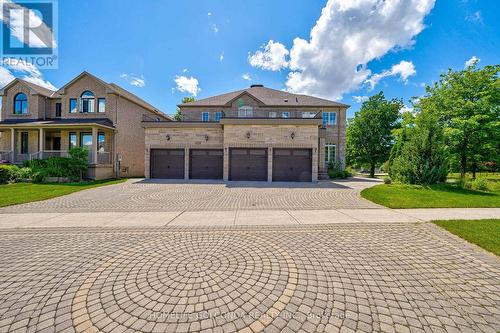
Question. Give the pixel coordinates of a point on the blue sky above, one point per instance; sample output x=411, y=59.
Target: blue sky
x=165, y=50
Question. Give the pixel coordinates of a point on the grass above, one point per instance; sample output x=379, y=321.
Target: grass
x=434, y=196
x=19, y=193
x=483, y=233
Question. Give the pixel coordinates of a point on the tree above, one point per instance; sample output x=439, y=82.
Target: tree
x=468, y=105
x=419, y=156
x=370, y=133
x=178, y=114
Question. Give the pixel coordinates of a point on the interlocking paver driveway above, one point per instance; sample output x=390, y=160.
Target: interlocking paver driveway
x=354, y=277
x=157, y=195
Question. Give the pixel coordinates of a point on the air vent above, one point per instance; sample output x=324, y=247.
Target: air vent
x=256, y=86
x=285, y=100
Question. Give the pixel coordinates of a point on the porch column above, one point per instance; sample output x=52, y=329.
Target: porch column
x=41, y=139
x=270, y=164
x=12, y=144
x=94, y=145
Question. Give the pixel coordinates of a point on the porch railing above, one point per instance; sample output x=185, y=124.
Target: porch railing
x=6, y=155
x=56, y=153
x=103, y=157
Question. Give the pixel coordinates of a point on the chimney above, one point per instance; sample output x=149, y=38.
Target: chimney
x=257, y=86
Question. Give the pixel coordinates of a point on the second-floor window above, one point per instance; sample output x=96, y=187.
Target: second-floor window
x=58, y=110
x=205, y=116
x=308, y=114
x=245, y=112
x=101, y=105
x=72, y=105
x=285, y=115
x=329, y=118
x=87, y=101
x=272, y=114
x=20, y=104
x=218, y=116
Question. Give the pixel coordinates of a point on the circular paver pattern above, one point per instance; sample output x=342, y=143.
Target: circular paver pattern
x=347, y=277
x=150, y=195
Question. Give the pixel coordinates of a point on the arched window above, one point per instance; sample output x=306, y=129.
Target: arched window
x=87, y=102
x=20, y=104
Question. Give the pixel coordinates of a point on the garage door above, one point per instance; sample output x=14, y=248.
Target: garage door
x=206, y=163
x=167, y=163
x=247, y=164
x=292, y=165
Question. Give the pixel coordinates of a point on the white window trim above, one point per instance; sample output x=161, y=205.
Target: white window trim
x=245, y=112
x=328, y=123
x=273, y=114
x=327, y=146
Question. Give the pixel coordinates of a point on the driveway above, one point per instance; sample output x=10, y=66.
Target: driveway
x=168, y=196
x=349, y=277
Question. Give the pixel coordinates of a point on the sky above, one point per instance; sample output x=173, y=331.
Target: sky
x=343, y=50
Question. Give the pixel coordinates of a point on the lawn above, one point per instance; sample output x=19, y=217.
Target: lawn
x=480, y=232
x=434, y=196
x=18, y=193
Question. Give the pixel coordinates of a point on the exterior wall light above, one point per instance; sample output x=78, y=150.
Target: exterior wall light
x=292, y=135
x=206, y=137
x=168, y=137
x=248, y=135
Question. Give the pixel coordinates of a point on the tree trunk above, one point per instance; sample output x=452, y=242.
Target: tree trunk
x=463, y=166
x=474, y=169
x=372, y=170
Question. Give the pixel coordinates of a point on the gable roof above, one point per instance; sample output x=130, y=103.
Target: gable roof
x=34, y=88
x=268, y=96
x=116, y=89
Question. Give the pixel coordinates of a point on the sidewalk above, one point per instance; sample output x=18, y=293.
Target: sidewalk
x=240, y=217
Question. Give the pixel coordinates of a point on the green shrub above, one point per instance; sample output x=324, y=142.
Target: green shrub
x=480, y=185
x=387, y=180
x=72, y=167
x=336, y=171
x=8, y=173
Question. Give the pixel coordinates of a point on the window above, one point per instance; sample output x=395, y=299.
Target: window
x=101, y=105
x=101, y=142
x=20, y=104
x=58, y=110
x=205, y=116
x=87, y=101
x=73, y=141
x=86, y=140
x=308, y=114
x=329, y=118
x=245, y=112
x=329, y=153
x=24, y=142
x=218, y=116
x=72, y=105
x=272, y=114
x=285, y=115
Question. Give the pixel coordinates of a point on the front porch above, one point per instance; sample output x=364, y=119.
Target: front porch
x=21, y=143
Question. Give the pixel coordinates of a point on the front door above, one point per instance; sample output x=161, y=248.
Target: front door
x=56, y=143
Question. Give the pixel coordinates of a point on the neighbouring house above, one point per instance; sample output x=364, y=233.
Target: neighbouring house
x=36, y=122
x=256, y=134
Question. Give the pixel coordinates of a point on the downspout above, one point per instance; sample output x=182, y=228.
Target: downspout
x=338, y=139
x=117, y=162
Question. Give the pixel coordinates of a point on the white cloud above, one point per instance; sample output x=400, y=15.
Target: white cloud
x=475, y=17
x=347, y=36
x=209, y=14
x=215, y=28
x=406, y=108
x=5, y=77
x=247, y=77
x=187, y=84
x=13, y=67
x=360, y=99
x=44, y=35
x=185, y=70
x=134, y=80
x=472, y=61
x=404, y=69
x=221, y=57
x=272, y=56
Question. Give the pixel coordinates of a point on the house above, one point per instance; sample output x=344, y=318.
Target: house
x=256, y=134
x=36, y=122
